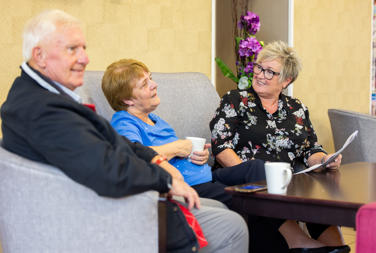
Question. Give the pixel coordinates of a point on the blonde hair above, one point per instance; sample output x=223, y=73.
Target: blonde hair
x=279, y=50
x=118, y=81
x=39, y=27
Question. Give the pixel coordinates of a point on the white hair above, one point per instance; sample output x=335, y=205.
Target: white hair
x=39, y=27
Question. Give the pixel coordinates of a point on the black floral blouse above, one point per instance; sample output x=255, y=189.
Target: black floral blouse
x=242, y=124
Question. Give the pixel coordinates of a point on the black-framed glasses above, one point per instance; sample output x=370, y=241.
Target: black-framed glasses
x=268, y=73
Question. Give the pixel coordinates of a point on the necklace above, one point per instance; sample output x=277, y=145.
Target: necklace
x=271, y=108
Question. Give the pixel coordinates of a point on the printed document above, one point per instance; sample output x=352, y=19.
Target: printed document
x=334, y=156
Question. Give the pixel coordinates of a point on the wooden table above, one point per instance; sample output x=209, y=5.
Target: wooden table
x=327, y=198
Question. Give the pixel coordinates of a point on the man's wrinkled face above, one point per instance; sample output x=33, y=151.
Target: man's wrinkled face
x=64, y=56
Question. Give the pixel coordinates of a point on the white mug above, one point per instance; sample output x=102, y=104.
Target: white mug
x=278, y=177
x=197, y=143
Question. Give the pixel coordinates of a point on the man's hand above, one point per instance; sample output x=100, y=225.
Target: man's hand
x=201, y=157
x=181, y=188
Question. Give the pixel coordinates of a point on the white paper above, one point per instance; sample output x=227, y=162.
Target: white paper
x=334, y=156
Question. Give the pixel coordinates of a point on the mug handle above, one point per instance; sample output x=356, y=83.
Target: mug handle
x=288, y=174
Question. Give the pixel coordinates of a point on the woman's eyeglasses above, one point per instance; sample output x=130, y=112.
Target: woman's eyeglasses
x=268, y=73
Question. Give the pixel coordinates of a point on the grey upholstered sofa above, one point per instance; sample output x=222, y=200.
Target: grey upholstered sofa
x=343, y=123
x=42, y=210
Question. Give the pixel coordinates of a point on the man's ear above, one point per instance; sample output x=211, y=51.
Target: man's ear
x=38, y=56
x=128, y=102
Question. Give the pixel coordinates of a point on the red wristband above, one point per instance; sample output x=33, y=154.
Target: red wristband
x=160, y=160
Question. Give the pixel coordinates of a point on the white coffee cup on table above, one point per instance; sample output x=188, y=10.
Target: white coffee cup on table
x=197, y=143
x=278, y=176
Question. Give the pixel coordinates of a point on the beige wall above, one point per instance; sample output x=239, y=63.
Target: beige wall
x=333, y=38
x=167, y=35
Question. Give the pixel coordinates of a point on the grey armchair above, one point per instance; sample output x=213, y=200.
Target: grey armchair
x=42, y=210
x=343, y=123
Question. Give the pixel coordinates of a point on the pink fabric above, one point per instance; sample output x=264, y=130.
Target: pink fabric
x=366, y=229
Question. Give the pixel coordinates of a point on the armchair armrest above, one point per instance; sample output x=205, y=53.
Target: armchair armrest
x=42, y=210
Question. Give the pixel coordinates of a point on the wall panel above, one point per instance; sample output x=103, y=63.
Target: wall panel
x=333, y=39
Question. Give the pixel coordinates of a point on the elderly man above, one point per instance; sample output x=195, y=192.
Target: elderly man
x=43, y=120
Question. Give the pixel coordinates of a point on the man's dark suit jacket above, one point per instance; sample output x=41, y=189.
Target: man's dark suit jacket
x=53, y=129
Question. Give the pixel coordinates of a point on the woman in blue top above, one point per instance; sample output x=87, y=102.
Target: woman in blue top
x=130, y=90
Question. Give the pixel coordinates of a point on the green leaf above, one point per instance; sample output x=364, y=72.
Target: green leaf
x=226, y=71
x=237, y=40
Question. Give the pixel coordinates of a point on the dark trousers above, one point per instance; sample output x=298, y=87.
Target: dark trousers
x=246, y=172
x=264, y=234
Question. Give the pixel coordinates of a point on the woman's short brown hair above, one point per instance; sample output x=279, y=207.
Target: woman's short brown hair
x=118, y=81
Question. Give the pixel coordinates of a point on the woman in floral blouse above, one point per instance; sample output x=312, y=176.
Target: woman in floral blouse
x=262, y=123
